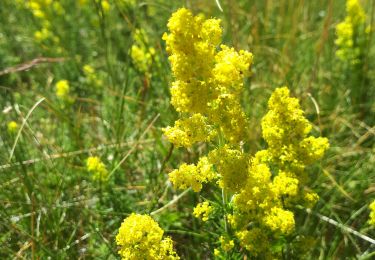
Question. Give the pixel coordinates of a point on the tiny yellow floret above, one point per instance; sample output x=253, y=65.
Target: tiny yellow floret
x=95, y=166
x=372, y=213
x=62, y=89
x=203, y=210
x=12, y=127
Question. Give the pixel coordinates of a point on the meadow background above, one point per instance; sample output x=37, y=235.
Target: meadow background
x=49, y=204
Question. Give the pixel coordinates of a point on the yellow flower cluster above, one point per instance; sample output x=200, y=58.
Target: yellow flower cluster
x=203, y=210
x=372, y=213
x=43, y=10
x=276, y=176
x=226, y=244
x=95, y=166
x=285, y=130
x=256, y=241
x=142, y=55
x=91, y=76
x=206, y=92
x=140, y=237
x=349, y=33
x=231, y=164
x=189, y=175
x=188, y=131
x=62, y=89
x=12, y=127
x=105, y=5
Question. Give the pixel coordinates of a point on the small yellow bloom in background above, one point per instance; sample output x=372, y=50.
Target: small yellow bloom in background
x=143, y=56
x=372, y=213
x=226, y=243
x=42, y=35
x=105, y=5
x=203, y=210
x=62, y=89
x=92, y=77
x=12, y=127
x=82, y=2
x=140, y=237
x=349, y=33
x=88, y=69
x=97, y=168
x=310, y=199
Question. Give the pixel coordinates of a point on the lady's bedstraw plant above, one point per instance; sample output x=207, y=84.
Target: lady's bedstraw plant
x=264, y=188
x=352, y=34
x=353, y=42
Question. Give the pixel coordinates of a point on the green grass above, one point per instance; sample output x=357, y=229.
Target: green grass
x=49, y=205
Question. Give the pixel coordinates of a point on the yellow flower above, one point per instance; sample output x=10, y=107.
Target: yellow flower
x=189, y=175
x=355, y=12
x=105, y=5
x=254, y=240
x=91, y=76
x=285, y=184
x=95, y=166
x=140, y=237
x=226, y=244
x=12, y=127
x=206, y=91
x=281, y=220
x=310, y=199
x=141, y=54
x=285, y=130
x=88, y=70
x=42, y=35
x=372, y=213
x=188, y=131
x=349, y=32
x=203, y=210
x=62, y=89
x=231, y=165
x=276, y=177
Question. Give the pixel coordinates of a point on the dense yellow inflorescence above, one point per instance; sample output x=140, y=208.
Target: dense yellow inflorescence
x=206, y=91
x=350, y=31
x=188, y=131
x=203, y=211
x=268, y=196
x=140, y=237
x=232, y=165
x=190, y=175
x=372, y=213
x=95, y=166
